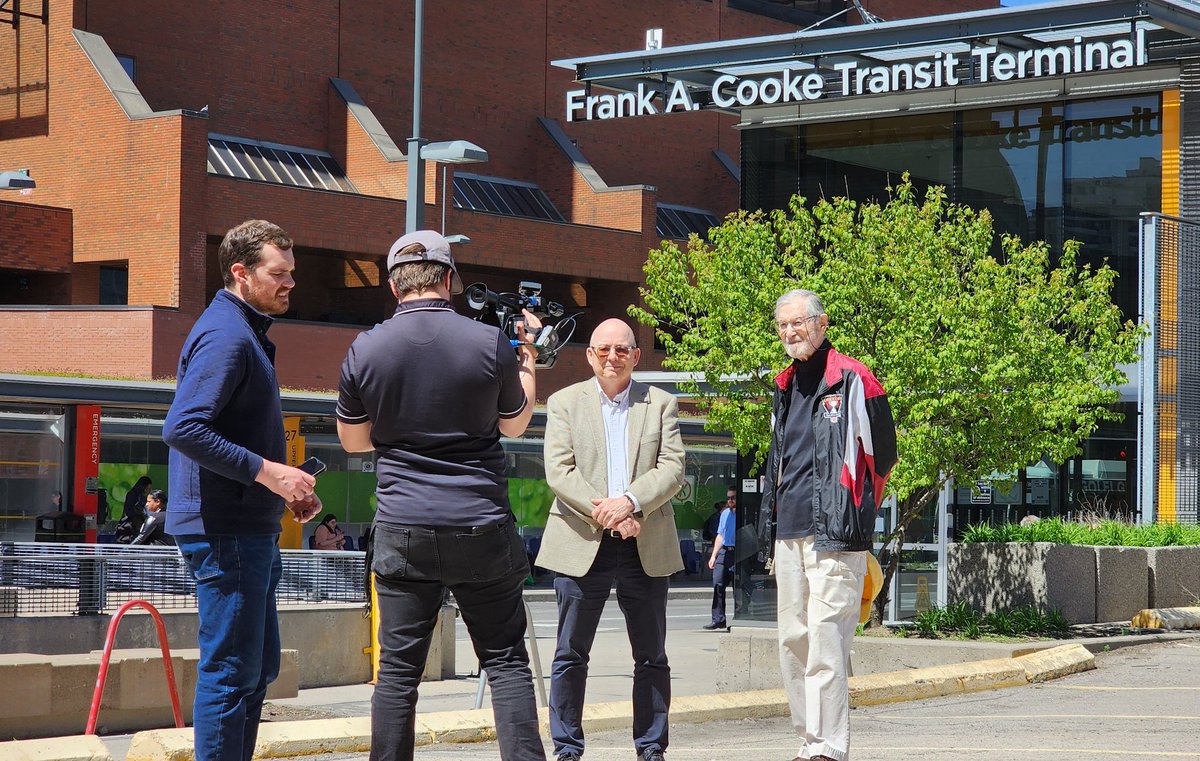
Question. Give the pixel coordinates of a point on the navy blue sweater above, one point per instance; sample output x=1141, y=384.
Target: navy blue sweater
x=226, y=418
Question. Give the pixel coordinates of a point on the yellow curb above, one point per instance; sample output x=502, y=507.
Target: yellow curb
x=935, y=681
x=458, y=726
x=1044, y=665
x=304, y=738
x=73, y=748
x=1168, y=618
x=161, y=745
x=275, y=740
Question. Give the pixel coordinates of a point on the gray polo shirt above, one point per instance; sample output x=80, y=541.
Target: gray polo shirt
x=434, y=386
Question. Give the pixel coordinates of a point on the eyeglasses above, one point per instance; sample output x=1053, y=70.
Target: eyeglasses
x=621, y=350
x=798, y=324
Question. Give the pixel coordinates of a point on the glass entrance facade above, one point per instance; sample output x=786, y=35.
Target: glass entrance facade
x=1079, y=170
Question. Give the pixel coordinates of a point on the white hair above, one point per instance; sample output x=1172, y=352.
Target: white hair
x=813, y=301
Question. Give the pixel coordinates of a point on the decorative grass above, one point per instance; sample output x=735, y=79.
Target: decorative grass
x=1105, y=533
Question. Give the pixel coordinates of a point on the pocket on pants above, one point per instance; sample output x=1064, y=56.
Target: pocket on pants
x=390, y=550
x=488, y=552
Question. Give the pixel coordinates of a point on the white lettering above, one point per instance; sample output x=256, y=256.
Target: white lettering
x=770, y=91
x=791, y=87
x=575, y=102
x=844, y=70
x=1004, y=67
x=1123, y=54
x=1047, y=61
x=814, y=86
x=983, y=54
x=747, y=92
x=720, y=100
x=645, y=100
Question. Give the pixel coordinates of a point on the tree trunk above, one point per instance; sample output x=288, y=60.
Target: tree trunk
x=893, y=544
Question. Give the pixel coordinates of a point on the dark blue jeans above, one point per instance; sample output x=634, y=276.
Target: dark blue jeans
x=722, y=575
x=485, y=567
x=236, y=577
x=643, y=600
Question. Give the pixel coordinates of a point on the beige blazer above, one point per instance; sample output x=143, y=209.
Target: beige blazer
x=577, y=471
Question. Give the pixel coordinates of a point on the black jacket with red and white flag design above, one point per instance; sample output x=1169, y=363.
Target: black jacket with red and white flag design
x=854, y=439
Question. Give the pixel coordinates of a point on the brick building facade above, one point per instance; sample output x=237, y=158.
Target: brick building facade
x=125, y=112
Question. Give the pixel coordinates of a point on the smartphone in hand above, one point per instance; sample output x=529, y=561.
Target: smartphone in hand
x=312, y=466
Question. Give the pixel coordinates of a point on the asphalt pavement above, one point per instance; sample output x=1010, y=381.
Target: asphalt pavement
x=1140, y=703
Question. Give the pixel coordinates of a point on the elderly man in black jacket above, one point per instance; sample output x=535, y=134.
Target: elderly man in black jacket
x=833, y=445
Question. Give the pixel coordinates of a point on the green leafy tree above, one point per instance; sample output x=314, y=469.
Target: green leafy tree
x=992, y=357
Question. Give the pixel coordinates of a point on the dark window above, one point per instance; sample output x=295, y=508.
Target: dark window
x=679, y=222
x=507, y=197
x=1080, y=170
x=114, y=285
x=128, y=64
x=252, y=160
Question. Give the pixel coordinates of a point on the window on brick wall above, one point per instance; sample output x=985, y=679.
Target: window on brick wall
x=280, y=164
x=114, y=285
x=679, y=222
x=128, y=64
x=508, y=197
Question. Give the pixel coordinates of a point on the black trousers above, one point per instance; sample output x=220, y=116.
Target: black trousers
x=643, y=601
x=485, y=568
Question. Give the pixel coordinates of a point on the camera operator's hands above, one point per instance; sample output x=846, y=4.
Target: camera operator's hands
x=530, y=327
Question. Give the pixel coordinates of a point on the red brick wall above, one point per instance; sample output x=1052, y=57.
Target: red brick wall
x=114, y=342
x=120, y=178
x=36, y=238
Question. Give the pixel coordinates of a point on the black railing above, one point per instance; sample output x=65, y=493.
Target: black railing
x=44, y=577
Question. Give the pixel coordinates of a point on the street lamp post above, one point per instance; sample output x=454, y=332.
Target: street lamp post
x=452, y=152
x=415, y=208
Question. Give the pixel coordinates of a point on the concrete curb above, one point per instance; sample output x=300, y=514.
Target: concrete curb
x=307, y=738
x=75, y=748
x=1168, y=618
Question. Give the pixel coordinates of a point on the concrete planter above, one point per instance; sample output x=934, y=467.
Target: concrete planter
x=1174, y=576
x=992, y=577
x=1088, y=584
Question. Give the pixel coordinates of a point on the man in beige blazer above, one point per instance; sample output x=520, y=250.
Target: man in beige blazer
x=614, y=458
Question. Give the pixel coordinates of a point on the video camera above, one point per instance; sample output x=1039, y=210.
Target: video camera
x=507, y=309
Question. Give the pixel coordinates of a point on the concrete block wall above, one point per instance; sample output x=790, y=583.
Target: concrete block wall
x=46, y=696
x=1174, y=576
x=1088, y=584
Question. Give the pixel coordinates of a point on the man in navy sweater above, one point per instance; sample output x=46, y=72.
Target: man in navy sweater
x=229, y=486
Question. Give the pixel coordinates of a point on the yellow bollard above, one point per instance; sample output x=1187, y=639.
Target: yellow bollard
x=373, y=650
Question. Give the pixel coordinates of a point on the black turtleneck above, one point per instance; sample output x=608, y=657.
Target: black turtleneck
x=795, y=497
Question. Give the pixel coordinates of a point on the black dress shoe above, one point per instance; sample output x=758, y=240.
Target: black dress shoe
x=714, y=626
x=652, y=754
x=568, y=757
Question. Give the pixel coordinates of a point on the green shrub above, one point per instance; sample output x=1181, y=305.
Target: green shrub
x=1106, y=532
x=961, y=620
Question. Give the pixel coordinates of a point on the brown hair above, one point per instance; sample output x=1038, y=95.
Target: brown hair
x=244, y=244
x=414, y=277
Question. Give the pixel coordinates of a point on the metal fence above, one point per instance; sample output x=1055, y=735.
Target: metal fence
x=42, y=577
x=1169, y=393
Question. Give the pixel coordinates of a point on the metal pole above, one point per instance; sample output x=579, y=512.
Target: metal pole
x=444, y=191
x=943, y=528
x=1147, y=449
x=415, y=206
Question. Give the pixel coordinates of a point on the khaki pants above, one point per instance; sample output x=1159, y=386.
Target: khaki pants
x=819, y=594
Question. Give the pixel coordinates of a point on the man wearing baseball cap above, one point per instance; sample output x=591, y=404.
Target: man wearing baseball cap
x=431, y=392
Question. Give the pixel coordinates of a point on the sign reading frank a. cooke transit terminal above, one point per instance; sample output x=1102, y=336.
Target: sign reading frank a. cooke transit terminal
x=982, y=64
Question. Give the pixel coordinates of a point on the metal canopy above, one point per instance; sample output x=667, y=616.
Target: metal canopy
x=1171, y=28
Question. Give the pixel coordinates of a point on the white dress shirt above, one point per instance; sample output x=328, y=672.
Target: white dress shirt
x=615, y=414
